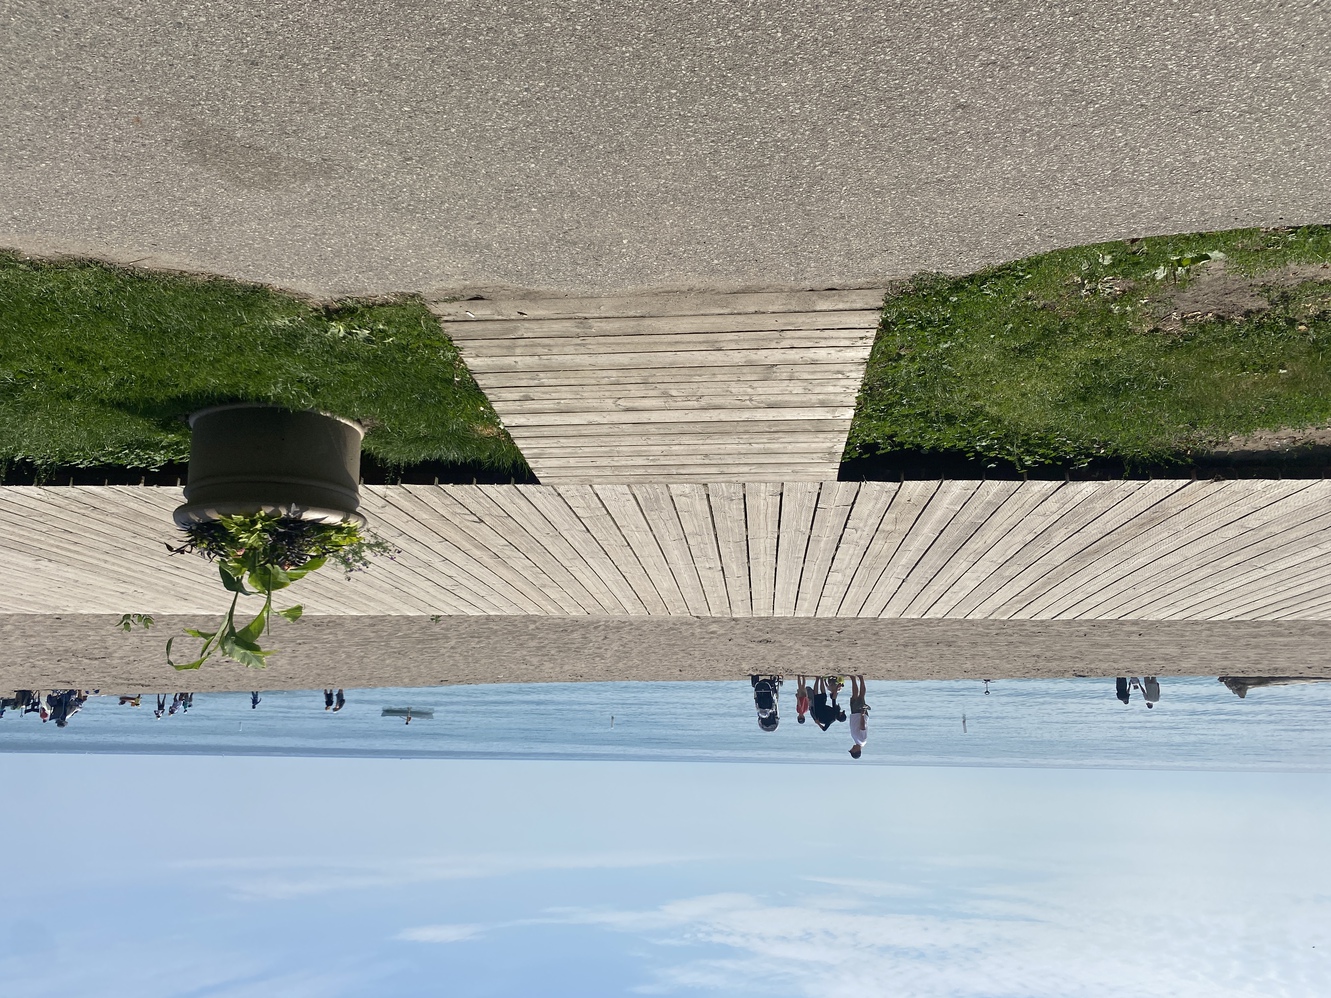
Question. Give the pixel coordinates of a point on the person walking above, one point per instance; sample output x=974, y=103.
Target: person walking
x=802, y=698
x=255, y=699
x=1151, y=690
x=341, y=702
x=859, y=716
x=825, y=714
x=1121, y=689
x=161, y=706
x=328, y=699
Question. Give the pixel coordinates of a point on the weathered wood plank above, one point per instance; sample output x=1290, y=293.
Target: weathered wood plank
x=908, y=502
x=747, y=418
x=735, y=371
x=622, y=504
x=866, y=516
x=1090, y=566
x=835, y=501
x=593, y=514
x=1193, y=542
x=762, y=506
x=785, y=335
x=1099, y=536
x=484, y=364
x=932, y=521
x=997, y=540
x=949, y=554
x=669, y=396
x=631, y=306
x=509, y=515
x=732, y=538
x=799, y=502
x=577, y=546
x=695, y=516
x=1287, y=527
x=658, y=508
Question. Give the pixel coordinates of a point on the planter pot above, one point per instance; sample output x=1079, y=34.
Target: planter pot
x=262, y=459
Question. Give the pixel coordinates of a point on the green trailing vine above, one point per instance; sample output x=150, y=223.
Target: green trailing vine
x=257, y=555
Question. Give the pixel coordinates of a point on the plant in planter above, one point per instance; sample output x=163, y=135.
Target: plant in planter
x=272, y=496
x=257, y=554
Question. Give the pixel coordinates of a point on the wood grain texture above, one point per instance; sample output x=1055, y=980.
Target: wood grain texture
x=1163, y=550
x=675, y=387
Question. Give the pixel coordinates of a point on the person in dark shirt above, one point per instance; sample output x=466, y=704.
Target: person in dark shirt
x=328, y=699
x=824, y=714
x=341, y=702
x=1121, y=689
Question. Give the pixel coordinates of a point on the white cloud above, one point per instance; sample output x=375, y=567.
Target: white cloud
x=282, y=878
x=439, y=933
x=1019, y=945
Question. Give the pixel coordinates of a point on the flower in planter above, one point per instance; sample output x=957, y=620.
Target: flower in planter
x=258, y=554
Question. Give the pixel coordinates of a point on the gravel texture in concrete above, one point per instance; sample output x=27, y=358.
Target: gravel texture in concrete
x=593, y=148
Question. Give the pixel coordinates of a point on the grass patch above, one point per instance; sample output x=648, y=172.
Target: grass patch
x=1142, y=352
x=99, y=365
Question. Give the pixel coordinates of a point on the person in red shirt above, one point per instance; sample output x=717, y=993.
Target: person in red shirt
x=802, y=695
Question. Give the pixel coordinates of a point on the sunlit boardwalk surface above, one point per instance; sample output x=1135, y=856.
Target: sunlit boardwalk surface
x=1158, y=550
x=673, y=387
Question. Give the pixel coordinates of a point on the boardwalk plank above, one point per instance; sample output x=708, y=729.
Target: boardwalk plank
x=908, y=502
x=732, y=538
x=631, y=306
x=622, y=504
x=762, y=506
x=866, y=516
x=786, y=336
x=835, y=502
x=591, y=510
x=946, y=503
x=799, y=502
x=998, y=539
x=703, y=327
x=695, y=516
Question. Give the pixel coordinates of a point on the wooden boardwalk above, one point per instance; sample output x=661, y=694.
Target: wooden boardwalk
x=1161, y=550
x=673, y=387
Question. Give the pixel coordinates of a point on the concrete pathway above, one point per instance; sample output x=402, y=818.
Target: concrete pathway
x=608, y=148
x=673, y=388
x=1161, y=550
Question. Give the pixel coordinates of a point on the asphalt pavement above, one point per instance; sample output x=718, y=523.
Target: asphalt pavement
x=597, y=148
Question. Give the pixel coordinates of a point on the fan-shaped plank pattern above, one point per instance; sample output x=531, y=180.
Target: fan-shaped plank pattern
x=1160, y=550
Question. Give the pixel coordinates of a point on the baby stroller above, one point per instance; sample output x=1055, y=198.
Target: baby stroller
x=766, y=692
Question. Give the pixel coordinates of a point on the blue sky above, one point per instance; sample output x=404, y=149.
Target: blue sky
x=304, y=878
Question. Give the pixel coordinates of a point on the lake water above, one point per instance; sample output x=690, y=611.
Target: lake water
x=1198, y=724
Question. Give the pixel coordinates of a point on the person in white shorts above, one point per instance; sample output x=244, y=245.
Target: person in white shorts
x=859, y=716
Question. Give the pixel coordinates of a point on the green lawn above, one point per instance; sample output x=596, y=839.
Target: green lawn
x=99, y=365
x=1135, y=352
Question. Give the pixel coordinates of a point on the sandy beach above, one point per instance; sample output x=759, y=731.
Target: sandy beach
x=89, y=652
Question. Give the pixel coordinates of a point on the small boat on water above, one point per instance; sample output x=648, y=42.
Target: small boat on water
x=407, y=712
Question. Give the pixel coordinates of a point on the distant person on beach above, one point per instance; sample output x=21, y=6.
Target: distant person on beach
x=1121, y=689
x=328, y=699
x=255, y=699
x=1151, y=690
x=161, y=706
x=134, y=701
x=859, y=716
x=803, y=695
x=825, y=714
x=341, y=702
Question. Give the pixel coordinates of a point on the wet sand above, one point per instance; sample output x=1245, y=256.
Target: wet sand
x=88, y=652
